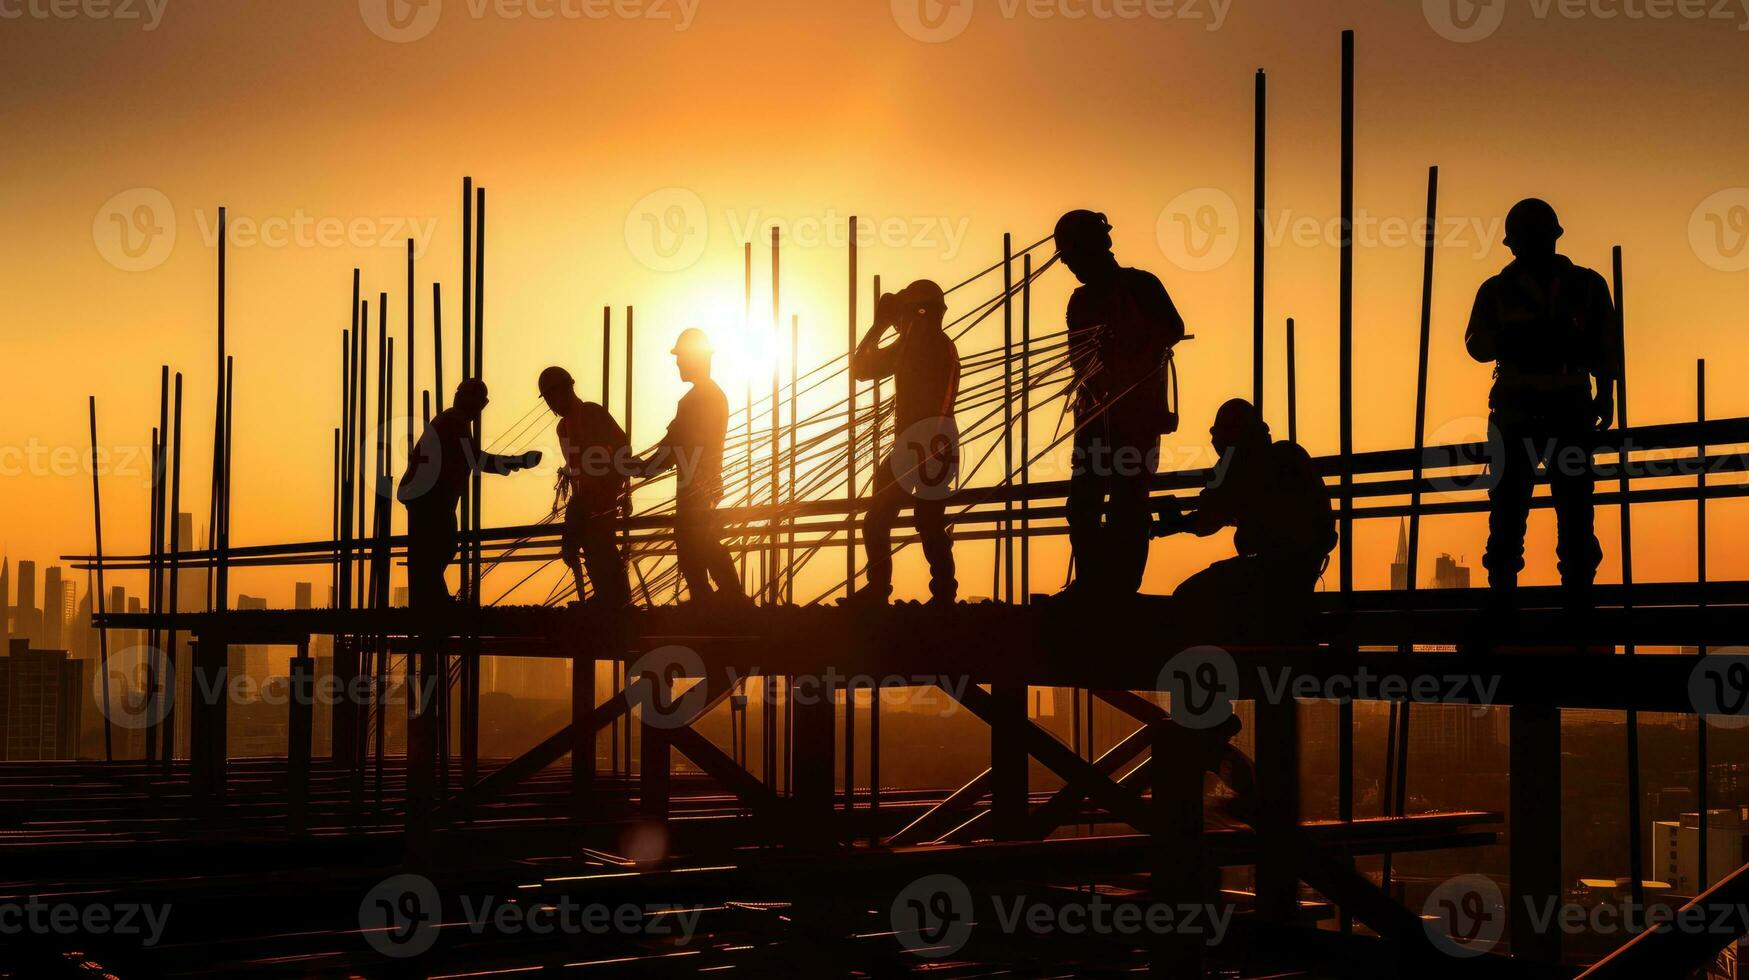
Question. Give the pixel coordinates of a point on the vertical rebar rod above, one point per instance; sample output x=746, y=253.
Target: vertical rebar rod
x=771, y=544
x=1026, y=428
x=1258, y=231
x=1345, y=321
x=1636, y=873
x=169, y=720
x=1008, y=414
x=437, y=345
x=1702, y=771
x=1293, y=394
x=747, y=337
x=795, y=359
x=102, y=632
x=850, y=433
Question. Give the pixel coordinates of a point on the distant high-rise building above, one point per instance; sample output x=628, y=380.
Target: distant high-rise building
x=27, y=618
x=1400, y=564
x=1676, y=849
x=1448, y=574
x=6, y=602
x=304, y=595
x=41, y=694
x=54, y=610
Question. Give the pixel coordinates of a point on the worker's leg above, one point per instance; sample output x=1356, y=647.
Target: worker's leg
x=877, y=528
x=431, y=546
x=1135, y=460
x=717, y=558
x=1088, y=482
x=1509, y=504
x=572, y=540
x=606, y=563
x=691, y=528
x=1210, y=601
x=937, y=548
x=1572, y=481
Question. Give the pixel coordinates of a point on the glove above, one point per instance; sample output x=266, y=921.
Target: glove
x=1604, y=406
x=529, y=460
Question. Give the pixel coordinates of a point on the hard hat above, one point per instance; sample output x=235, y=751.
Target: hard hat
x=472, y=388
x=1236, y=420
x=1083, y=231
x=555, y=379
x=692, y=340
x=925, y=296
x=1532, y=220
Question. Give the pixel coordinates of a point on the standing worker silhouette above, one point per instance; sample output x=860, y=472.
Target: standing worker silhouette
x=1271, y=495
x=437, y=474
x=693, y=446
x=1122, y=327
x=1550, y=328
x=594, y=475
x=921, y=469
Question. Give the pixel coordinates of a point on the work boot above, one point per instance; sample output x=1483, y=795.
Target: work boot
x=942, y=600
x=872, y=594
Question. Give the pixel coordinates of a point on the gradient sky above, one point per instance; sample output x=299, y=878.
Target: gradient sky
x=355, y=123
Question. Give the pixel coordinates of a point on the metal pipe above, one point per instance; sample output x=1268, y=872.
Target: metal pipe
x=1636, y=873
x=1345, y=322
x=1258, y=229
x=1008, y=412
x=1026, y=428
x=102, y=632
x=850, y=432
x=169, y=719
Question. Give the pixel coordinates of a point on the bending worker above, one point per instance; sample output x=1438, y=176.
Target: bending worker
x=1122, y=327
x=595, y=473
x=922, y=468
x=1550, y=328
x=1284, y=526
x=693, y=446
x=437, y=475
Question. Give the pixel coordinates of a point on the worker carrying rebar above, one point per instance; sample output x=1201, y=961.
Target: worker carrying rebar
x=1122, y=328
x=693, y=447
x=592, y=484
x=923, y=466
x=1550, y=328
x=1270, y=493
x=437, y=475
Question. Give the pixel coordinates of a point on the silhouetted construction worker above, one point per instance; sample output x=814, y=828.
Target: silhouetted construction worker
x=693, y=446
x=1550, y=327
x=1122, y=327
x=437, y=474
x=1271, y=495
x=921, y=469
x=597, y=458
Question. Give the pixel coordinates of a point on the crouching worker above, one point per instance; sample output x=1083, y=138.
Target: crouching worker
x=1284, y=528
x=597, y=460
x=437, y=474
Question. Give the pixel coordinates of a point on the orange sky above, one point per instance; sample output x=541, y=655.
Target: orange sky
x=334, y=143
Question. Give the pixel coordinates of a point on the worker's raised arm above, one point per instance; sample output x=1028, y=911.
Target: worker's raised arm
x=871, y=361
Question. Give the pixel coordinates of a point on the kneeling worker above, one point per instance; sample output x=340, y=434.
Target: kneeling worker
x=437, y=474
x=925, y=367
x=596, y=455
x=1284, y=526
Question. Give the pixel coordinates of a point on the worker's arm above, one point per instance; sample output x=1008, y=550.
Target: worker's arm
x=666, y=453
x=1163, y=316
x=1603, y=339
x=502, y=465
x=871, y=361
x=1484, y=338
